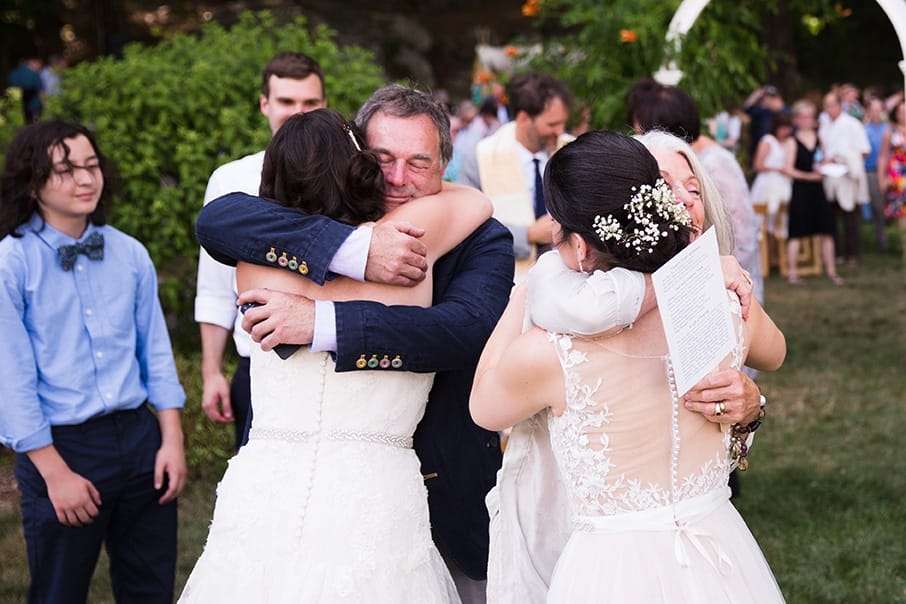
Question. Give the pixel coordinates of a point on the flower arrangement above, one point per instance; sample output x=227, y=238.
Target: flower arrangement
x=649, y=206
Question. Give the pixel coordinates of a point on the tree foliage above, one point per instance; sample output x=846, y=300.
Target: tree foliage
x=600, y=48
x=607, y=46
x=169, y=114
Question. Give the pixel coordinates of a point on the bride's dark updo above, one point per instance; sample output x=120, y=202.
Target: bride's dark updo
x=597, y=175
x=313, y=164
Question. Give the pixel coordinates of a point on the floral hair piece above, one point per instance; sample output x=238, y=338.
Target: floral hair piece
x=647, y=205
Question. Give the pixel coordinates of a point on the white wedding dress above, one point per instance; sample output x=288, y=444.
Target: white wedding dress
x=326, y=502
x=646, y=483
x=623, y=497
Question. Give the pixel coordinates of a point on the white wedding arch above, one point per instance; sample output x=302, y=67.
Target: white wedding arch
x=689, y=10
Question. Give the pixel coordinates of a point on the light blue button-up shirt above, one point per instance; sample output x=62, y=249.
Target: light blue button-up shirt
x=82, y=343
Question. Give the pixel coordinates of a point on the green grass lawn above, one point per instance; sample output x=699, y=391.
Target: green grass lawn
x=824, y=493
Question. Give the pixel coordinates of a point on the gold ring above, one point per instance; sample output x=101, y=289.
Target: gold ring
x=719, y=408
x=748, y=278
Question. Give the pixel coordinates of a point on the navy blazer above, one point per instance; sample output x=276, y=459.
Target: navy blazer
x=472, y=285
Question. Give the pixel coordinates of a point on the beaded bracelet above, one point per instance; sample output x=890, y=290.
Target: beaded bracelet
x=739, y=450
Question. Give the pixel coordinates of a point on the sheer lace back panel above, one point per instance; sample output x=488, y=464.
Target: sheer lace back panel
x=624, y=442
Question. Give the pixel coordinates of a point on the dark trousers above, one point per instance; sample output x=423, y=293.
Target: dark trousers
x=846, y=242
x=241, y=400
x=116, y=453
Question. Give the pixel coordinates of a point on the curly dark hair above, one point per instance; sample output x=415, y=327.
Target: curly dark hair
x=29, y=165
x=595, y=175
x=313, y=164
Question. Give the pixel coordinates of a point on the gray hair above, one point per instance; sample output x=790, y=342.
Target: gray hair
x=404, y=101
x=715, y=210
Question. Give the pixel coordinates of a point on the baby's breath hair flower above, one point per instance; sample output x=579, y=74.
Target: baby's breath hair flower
x=648, y=206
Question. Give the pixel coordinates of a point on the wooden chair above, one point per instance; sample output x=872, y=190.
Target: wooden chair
x=773, y=248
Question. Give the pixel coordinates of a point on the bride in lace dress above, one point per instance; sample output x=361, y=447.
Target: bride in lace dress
x=326, y=502
x=645, y=478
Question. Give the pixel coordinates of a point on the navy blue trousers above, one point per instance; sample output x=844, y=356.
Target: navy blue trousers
x=116, y=453
x=241, y=400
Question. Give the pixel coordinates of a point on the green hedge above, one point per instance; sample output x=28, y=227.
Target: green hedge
x=168, y=115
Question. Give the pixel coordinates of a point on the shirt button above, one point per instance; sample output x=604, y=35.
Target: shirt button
x=99, y=355
x=108, y=396
x=79, y=267
x=89, y=312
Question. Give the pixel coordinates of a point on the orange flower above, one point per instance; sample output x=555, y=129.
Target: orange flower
x=627, y=36
x=530, y=8
x=511, y=51
x=484, y=77
x=844, y=12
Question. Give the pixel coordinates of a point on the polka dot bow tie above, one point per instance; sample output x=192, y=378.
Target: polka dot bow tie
x=93, y=247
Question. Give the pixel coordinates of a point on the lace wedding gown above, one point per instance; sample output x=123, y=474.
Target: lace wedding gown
x=326, y=502
x=646, y=483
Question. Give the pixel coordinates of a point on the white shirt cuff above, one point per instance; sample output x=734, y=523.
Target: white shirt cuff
x=324, y=338
x=352, y=256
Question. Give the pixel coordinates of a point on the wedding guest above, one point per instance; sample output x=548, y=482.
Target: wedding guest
x=810, y=212
x=844, y=143
x=508, y=166
x=291, y=82
x=876, y=128
x=762, y=105
x=772, y=188
x=27, y=78
x=84, y=352
x=892, y=171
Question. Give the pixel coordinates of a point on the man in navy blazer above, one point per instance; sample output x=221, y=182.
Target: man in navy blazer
x=410, y=133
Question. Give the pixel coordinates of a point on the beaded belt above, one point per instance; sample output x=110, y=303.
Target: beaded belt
x=380, y=438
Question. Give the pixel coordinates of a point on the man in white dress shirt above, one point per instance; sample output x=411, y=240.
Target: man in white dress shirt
x=845, y=143
x=292, y=82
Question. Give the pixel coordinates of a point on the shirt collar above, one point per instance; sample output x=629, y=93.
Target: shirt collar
x=526, y=156
x=52, y=236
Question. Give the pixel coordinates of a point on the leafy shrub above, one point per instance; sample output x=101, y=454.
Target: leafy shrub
x=168, y=115
x=11, y=118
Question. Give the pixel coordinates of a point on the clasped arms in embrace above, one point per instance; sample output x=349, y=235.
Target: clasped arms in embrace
x=345, y=183
x=553, y=310
x=409, y=134
x=634, y=462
